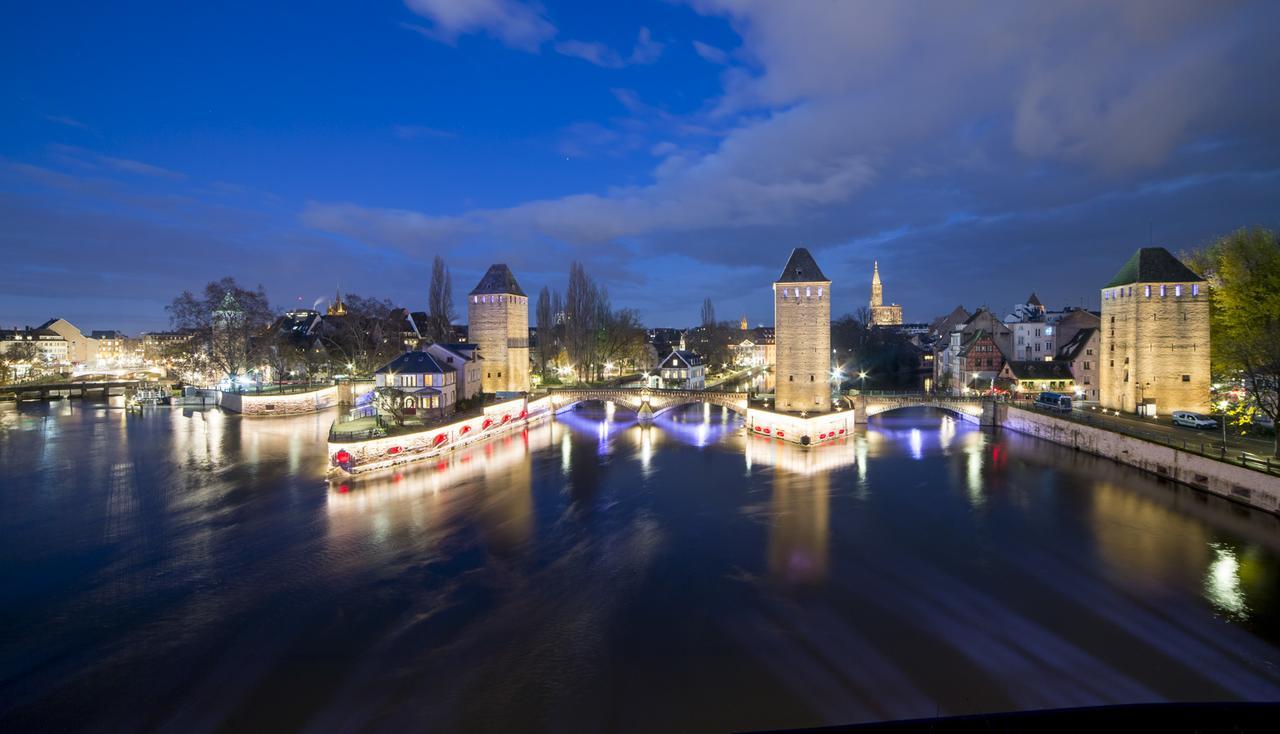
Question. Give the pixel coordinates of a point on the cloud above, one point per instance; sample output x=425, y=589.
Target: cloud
x=952, y=134
x=84, y=158
x=711, y=53
x=514, y=24
x=418, y=132
x=67, y=121
x=646, y=51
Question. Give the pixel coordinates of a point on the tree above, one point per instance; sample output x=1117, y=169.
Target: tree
x=440, y=312
x=226, y=321
x=545, y=321
x=581, y=317
x=17, y=353
x=365, y=338
x=1243, y=270
x=708, y=313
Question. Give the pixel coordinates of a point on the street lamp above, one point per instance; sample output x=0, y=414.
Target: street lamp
x=1222, y=408
x=862, y=375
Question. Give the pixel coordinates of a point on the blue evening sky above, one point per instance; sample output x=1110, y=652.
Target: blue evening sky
x=678, y=149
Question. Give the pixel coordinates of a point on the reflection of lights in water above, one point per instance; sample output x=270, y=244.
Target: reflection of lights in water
x=946, y=432
x=973, y=465
x=860, y=454
x=566, y=453
x=646, y=449
x=1222, y=582
x=917, y=444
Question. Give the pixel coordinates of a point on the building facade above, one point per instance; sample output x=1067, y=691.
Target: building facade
x=466, y=360
x=498, y=323
x=416, y=384
x=882, y=315
x=1155, y=336
x=1080, y=354
x=802, y=336
x=756, y=349
x=682, y=370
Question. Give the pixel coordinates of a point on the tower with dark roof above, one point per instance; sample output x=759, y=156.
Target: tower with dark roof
x=802, y=335
x=1155, y=336
x=498, y=322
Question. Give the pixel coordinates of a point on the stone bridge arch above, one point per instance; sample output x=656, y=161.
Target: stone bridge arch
x=974, y=410
x=647, y=402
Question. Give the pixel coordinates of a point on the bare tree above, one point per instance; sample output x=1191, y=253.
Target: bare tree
x=545, y=319
x=708, y=313
x=225, y=321
x=440, y=311
x=581, y=320
x=365, y=338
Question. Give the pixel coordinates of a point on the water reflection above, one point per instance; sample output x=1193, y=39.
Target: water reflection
x=595, y=573
x=1222, y=582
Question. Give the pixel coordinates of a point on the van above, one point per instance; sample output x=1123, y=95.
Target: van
x=1056, y=402
x=1193, y=420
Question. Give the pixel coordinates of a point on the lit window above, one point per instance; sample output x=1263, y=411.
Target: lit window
x=819, y=292
x=808, y=292
x=1162, y=291
x=1177, y=291
x=1146, y=291
x=1195, y=289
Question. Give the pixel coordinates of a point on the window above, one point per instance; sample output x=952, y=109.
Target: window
x=1186, y=378
x=1089, y=352
x=1195, y=289
x=1146, y=291
x=1177, y=291
x=1162, y=291
x=810, y=378
x=791, y=378
x=1126, y=375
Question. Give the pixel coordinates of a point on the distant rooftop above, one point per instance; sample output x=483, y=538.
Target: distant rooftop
x=498, y=280
x=801, y=268
x=1153, y=265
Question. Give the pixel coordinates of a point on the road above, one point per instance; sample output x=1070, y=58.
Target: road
x=1162, y=427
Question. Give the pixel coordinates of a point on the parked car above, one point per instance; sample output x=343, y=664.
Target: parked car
x=1193, y=420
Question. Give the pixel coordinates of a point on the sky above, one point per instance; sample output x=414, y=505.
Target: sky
x=978, y=150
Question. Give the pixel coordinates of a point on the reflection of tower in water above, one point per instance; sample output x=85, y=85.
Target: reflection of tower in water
x=799, y=527
x=506, y=499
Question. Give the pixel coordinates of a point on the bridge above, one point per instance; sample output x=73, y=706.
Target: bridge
x=63, y=390
x=972, y=409
x=646, y=402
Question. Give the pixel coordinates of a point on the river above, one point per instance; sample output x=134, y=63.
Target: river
x=190, y=570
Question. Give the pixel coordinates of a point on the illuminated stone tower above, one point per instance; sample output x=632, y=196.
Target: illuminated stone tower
x=882, y=315
x=498, y=322
x=802, y=324
x=1155, y=336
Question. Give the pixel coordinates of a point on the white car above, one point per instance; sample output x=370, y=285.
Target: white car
x=1193, y=420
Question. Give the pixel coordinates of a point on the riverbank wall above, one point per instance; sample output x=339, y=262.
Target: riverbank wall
x=277, y=404
x=1246, y=486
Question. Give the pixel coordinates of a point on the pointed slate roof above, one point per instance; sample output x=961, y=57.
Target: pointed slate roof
x=498, y=280
x=801, y=269
x=1034, y=300
x=1154, y=265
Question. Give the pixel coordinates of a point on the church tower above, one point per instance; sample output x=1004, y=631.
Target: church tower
x=802, y=335
x=498, y=323
x=882, y=315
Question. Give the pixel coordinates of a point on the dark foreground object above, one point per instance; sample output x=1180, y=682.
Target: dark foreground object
x=1201, y=718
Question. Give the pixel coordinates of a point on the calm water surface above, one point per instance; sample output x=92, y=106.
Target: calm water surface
x=189, y=571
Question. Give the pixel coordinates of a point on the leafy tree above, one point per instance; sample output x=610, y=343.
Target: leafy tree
x=440, y=311
x=226, y=321
x=1243, y=270
x=17, y=353
x=889, y=358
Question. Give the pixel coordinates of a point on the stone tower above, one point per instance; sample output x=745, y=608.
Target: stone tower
x=1155, y=336
x=882, y=315
x=802, y=335
x=498, y=322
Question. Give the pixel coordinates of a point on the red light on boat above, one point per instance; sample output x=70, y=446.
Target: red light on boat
x=393, y=450
x=465, y=429
x=441, y=438
x=342, y=457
